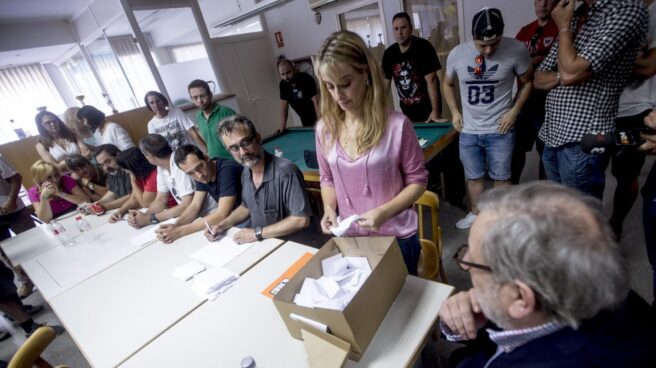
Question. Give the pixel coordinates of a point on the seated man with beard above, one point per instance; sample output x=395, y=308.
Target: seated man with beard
x=549, y=284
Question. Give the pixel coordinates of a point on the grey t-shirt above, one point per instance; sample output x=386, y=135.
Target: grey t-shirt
x=119, y=183
x=488, y=95
x=280, y=195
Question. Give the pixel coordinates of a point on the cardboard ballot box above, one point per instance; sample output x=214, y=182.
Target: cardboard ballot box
x=358, y=322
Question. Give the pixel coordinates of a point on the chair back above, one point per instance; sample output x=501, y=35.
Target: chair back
x=29, y=354
x=430, y=236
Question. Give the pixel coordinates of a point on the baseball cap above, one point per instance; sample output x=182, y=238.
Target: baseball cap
x=487, y=24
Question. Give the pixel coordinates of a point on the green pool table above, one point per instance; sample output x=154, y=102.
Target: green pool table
x=294, y=141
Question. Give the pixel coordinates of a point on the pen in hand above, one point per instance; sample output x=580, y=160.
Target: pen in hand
x=209, y=229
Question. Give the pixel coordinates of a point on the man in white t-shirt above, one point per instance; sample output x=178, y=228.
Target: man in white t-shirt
x=486, y=69
x=171, y=123
x=170, y=179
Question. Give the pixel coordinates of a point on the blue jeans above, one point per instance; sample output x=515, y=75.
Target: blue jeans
x=494, y=149
x=569, y=165
x=649, y=220
x=410, y=249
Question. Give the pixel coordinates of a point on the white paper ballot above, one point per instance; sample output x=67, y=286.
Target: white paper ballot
x=422, y=142
x=188, y=270
x=221, y=252
x=344, y=225
x=341, y=280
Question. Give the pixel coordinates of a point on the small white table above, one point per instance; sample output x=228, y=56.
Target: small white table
x=243, y=323
x=113, y=314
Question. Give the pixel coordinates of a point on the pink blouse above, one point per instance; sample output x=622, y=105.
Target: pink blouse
x=376, y=177
x=57, y=205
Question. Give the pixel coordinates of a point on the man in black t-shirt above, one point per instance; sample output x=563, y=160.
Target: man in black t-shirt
x=218, y=177
x=413, y=64
x=300, y=91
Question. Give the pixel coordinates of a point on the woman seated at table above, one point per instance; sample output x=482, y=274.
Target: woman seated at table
x=53, y=194
x=105, y=132
x=85, y=138
x=370, y=162
x=56, y=140
x=143, y=177
x=91, y=178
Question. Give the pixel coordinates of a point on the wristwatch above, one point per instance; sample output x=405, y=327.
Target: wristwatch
x=153, y=219
x=258, y=233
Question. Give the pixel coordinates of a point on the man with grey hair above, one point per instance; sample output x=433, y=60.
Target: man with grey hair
x=550, y=284
x=273, y=195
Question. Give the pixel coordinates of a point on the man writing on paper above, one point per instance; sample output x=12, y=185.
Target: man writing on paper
x=169, y=179
x=273, y=195
x=550, y=286
x=219, y=178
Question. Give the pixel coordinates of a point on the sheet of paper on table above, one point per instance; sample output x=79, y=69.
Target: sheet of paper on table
x=422, y=142
x=148, y=235
x=213, y=282
x=188, y=270
x=221, y=252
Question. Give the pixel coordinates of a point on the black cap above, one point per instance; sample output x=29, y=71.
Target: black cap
x=487, y=24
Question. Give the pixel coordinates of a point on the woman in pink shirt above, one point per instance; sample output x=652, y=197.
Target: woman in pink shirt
x=53, y=194
x=370, y=162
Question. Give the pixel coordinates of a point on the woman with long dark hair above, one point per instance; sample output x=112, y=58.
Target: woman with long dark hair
x=56, y=140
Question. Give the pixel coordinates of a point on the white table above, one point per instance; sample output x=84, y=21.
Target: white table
x=61, y=267
x=34, y=242
x=245, y=323
x=116, y=312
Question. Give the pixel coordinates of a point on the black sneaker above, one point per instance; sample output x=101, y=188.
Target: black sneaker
x=58, y=329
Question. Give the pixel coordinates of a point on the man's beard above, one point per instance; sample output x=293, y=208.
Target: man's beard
x=488, y=300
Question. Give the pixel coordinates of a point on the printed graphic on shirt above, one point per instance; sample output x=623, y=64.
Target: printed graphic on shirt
x=173, y=132
x=407, y=82
x=480, y=90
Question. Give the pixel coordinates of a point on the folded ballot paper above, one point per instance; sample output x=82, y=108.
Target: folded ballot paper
x=341, y=280
x=188, y=270
x=344, y=225
x=213, y=282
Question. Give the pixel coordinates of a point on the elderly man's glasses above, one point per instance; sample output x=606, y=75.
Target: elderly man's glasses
x=245, y=143
x=459, y=257
x=480, y=65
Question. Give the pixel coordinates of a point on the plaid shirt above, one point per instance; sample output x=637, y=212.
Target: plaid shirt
x=609, y=39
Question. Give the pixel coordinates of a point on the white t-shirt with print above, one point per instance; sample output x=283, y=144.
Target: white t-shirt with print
x=179, y=185
x=174, y=127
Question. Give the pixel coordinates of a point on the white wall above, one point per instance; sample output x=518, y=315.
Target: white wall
x=176, y=77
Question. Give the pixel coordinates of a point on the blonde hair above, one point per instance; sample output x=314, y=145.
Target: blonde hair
x=346, y=47
x=41, y=170
x=74, y=124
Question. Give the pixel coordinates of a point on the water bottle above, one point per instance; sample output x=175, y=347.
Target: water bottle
x=61, y=234
x=277, y=151
x=84, y=227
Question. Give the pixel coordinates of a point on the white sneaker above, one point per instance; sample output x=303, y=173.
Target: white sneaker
x=466, y=222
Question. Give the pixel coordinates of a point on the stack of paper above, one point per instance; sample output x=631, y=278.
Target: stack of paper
x=222, y=252
x=341, y=280
x=214, y=282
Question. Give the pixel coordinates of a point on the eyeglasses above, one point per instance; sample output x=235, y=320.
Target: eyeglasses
x=459, y=258
x=245, y=143
x=480, y=65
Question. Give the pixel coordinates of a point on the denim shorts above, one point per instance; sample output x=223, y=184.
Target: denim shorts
x=495, y=150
